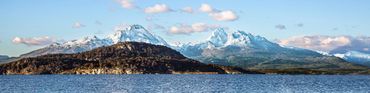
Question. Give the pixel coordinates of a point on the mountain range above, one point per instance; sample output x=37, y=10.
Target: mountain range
x=255, y=52
x=239, y=49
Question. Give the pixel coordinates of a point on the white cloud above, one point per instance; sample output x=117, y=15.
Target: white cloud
x=196, y=27
x=187, y=9
x=34, y=41
x=227, y=15
x=157, y=8
x=329, y=43
x=280, y=27
x=78, y=25
x=128, y=4
x=206, y=8
x=224, y=15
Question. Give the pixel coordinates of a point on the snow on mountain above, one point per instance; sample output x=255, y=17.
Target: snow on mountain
x=221, y=39
x=86, y=42
x=324, y=53
x=352, y=56
x=241, y=38
x=218, y=37
x=135, y=33
x=217, y=41
x=123, y=33
x=355, y=56
x=242, y=49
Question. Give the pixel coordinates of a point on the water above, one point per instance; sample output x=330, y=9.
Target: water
x=186, y=83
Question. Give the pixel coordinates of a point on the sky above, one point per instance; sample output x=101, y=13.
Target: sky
x=26, y=25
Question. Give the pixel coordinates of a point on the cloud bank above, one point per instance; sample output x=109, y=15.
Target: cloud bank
x=34, y=41
x=333, y=44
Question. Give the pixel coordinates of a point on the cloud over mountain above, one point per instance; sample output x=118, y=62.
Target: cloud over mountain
x=187, y=29
x=218, y=15
x=34, y=41
x=206, y=8
x=128, y=4
x=157, y=8
x=227, y=15
x=336, y=44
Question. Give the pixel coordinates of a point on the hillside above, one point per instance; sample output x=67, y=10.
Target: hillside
x=120, y=58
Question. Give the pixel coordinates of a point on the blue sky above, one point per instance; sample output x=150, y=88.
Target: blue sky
x=55, y=19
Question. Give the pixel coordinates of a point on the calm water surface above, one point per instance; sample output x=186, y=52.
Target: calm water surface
x=186, y=83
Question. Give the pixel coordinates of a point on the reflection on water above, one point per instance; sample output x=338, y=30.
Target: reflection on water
x=185, y=83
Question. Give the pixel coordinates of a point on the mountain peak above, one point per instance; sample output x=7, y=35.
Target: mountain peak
x=218, y=37
x=135, y=33
x=240, y=38
x=126, y=27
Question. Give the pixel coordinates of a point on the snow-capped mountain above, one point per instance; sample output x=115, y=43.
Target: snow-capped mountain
x=135, y=33
x=220, y=38
x=355, y=57
x=351, y=56
x=239, y=39
x=122, y=33
x=246, y=50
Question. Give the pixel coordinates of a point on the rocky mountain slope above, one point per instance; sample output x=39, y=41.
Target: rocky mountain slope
x=120, y=58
